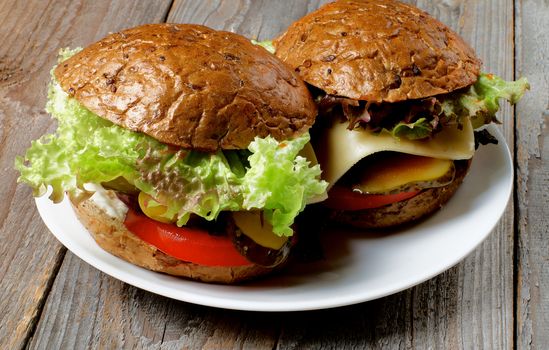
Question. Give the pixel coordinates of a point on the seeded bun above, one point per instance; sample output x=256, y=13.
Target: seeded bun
x=377, y=50
x=189, y=86
x=406, y=211
x=111, y=235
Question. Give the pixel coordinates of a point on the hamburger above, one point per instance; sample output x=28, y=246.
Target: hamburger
x=400, y=99
x=183, y=150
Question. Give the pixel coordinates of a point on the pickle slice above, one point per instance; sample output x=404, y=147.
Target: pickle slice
x=254, y=238
x=393, y=172
x=252, y=225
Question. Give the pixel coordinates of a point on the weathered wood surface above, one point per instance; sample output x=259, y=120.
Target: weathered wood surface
x=469, y=306
x=533, y=176
x=31, y=33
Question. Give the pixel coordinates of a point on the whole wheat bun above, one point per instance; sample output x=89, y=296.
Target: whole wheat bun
x=406, y=211
x=377, y=50
x=111, y=235
x=189, y=86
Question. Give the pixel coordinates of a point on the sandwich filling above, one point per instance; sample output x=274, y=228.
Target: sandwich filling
x=374, y=154
x=170, y=185
x=377, y=154
x=422, y=118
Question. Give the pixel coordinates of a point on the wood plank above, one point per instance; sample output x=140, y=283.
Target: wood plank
x=32, y=32
x=532, y=159
x=88, y=309
x=480, y=311
x=469, y=306
x=261, y=19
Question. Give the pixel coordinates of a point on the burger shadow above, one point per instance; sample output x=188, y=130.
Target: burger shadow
x=361, y=325
x=336, y=241
x=329, y=254
x=317, y=257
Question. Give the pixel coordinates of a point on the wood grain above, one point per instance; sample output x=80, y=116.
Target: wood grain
x=471, y=305
x=257, y=19
x=32, y=32
x=481, y=308
x=468, y=306
x=533, y=176
x=90, y=309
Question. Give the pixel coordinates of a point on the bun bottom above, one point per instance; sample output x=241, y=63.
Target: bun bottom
x=403, y=212
x=111, y=235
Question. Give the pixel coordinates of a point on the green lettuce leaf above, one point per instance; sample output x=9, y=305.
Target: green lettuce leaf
x=266, y=44
x=417, y=130
x=270, y=176
x=66, y=53
x=481, y=101
x=77, y=152
x=277, y=176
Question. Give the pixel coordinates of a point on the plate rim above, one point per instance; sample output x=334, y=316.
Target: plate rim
x=285, y=305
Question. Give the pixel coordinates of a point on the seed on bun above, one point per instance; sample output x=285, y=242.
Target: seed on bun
x=378, y=51
x=189, y=86
x=390, y=80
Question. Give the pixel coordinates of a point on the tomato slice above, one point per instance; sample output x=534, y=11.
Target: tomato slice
x=185, y=243
x=343, y=198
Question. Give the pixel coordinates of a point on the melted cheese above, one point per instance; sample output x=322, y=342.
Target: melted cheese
x=339, y=149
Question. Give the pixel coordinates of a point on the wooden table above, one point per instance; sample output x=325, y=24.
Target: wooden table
x=498, y=297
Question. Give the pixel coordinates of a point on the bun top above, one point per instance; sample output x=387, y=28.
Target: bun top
x=189, y=86
x=377, y=50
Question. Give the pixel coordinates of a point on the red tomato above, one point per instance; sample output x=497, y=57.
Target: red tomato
x=185, y=243
x=343, y=198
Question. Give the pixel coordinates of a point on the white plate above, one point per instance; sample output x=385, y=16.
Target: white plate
x=357, y=267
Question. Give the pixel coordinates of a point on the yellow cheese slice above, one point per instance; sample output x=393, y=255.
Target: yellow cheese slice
x=339, y=149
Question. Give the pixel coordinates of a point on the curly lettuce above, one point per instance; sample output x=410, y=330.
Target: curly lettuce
x=266, y=44
x=85, y=148
x=480, y=102
x=418, y=119
x=277, y=175
x=417, y=130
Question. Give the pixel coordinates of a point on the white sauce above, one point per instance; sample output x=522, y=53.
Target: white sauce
x=107, y=201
